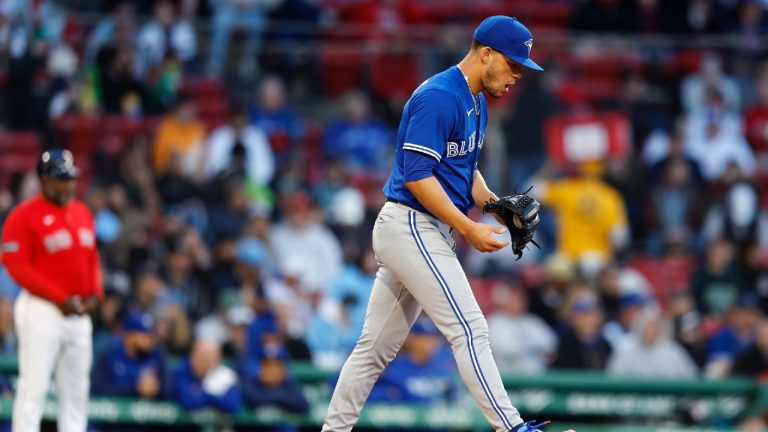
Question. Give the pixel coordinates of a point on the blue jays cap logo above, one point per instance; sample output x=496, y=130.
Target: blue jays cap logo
x=508, y=36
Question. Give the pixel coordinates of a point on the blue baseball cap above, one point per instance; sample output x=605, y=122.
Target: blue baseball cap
x=424, y=327
x=631, y=300
x=57, y=163
x=585, y=304
x=251, y=252
x=138, y=321
x=508, y=36
x=274, y=351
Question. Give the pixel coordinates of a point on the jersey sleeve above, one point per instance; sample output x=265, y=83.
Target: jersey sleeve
x=432, y=117
x=17, y=257
x=615, y=214
x=95, y=261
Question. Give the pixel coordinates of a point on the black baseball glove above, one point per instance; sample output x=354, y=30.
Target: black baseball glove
x=526, y=209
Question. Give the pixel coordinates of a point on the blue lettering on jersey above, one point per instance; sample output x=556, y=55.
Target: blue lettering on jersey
x=439, y=136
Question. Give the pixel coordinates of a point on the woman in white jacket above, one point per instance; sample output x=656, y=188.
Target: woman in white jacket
x=649, y=352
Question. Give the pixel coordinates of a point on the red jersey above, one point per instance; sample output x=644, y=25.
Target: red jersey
x=756, y=121
x=51, y=250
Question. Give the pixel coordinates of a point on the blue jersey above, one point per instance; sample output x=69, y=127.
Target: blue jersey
x=405, y=380
x=116, y=373
x=440, y=135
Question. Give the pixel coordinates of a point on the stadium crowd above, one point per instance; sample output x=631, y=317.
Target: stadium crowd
x=233, y=209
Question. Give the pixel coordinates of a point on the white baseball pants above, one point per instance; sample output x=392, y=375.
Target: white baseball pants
x=418, y=268
x=50, y=341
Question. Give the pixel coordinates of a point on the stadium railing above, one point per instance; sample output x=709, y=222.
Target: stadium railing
x=558, y=394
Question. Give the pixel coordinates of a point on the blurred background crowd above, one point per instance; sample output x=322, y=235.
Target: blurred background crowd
x=233, y=153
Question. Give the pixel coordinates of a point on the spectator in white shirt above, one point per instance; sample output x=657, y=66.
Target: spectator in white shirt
x=693, y=90
x=521, y=342
x=300, y=237
x=237, y=146
x=650, y=352
x=164, y=35
x=714, y=138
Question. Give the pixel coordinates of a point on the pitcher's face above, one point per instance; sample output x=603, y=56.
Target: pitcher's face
x=500, y=73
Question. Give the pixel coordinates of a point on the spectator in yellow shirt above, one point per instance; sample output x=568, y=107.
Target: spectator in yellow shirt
x=591, y=219
x=181, y=134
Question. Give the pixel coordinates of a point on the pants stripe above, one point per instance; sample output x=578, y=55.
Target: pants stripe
x=459, y=315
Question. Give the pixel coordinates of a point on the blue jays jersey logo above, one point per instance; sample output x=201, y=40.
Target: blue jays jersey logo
x=454, y=149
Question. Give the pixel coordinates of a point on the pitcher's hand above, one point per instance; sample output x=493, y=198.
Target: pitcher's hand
x=480, y=236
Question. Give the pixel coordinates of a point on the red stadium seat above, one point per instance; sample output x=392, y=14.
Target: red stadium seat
x=213, y=111
x=14, y=163
x=667, y=275
x=483, y=289
x=203, y=88
x=20, y=143
x=600, y=89
x=439, y=12
x=535, y=14
x=214, y=121
x=214, y=107
x=394, y=75
x=606, y=66
x=82, y=132
x=150, y=124
x=341, y=71
x=121, y=125
x=19, y=152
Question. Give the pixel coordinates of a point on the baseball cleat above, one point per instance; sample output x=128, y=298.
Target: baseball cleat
x=532, y=426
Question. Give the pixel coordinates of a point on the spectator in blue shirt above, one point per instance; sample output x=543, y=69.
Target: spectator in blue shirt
x=268, y=382
x=251, y=260
x=278, y=120
x=356, y=281
x=201, y=381
x=6, y=391
x=132, y=365
x=738, y=334
x=8, y=287
x=423, y=373
x=332, y=334
x=364, y=143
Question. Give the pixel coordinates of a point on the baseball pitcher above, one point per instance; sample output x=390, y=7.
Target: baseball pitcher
x=49, y=248
x=434, y=183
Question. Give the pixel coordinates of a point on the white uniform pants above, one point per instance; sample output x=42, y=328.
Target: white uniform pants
x=48, y=342
x=418, y=268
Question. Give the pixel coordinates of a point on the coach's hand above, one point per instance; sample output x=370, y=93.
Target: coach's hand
x=91, y=304
x=73, y=306
x=480, y=236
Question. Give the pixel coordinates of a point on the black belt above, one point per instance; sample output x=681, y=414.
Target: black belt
x=396, y=201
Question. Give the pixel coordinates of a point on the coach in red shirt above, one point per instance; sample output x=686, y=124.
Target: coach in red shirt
x=49, y=248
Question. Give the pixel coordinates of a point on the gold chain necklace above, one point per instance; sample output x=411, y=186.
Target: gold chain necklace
x=474, y=98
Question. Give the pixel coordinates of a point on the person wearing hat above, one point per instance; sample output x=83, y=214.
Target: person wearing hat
x=267, y=381
x=423, y=373
x=434, y=183
x=650, y=352
x=202, y=381
x=132, y=365
x=630, y=306
x=49, y=248
x=737, y=335
x=581, y=344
